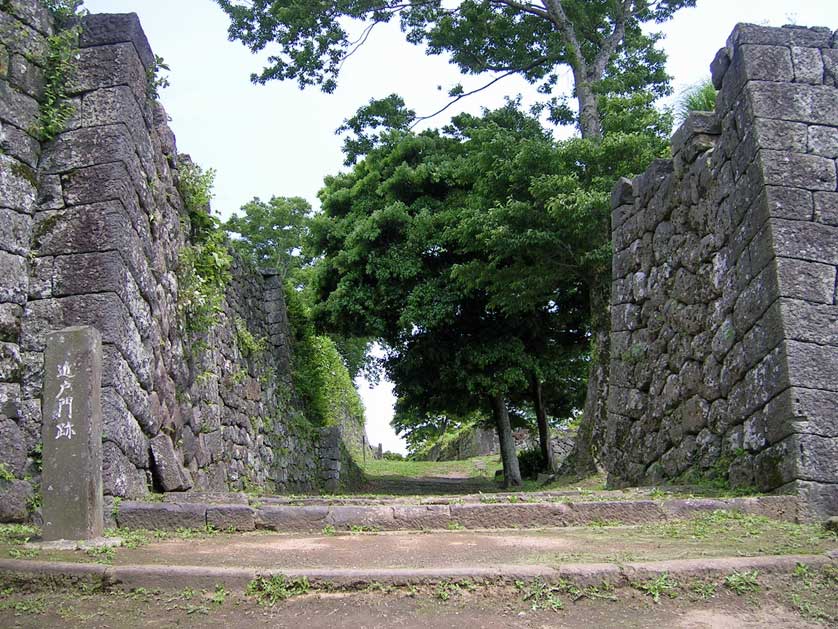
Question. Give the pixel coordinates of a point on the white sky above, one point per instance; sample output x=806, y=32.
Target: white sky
x=276, y=140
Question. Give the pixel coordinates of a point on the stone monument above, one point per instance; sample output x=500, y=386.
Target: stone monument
x=72, y=435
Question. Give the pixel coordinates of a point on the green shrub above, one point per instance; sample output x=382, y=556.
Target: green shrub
x=699, y=97
x=531, y=462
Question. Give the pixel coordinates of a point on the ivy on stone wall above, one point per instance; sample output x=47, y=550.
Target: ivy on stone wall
x=59, y=68
x=204, y=264
x=320, y=376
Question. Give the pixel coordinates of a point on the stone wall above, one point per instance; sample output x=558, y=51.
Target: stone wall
x=91, y=228
x=724, y=299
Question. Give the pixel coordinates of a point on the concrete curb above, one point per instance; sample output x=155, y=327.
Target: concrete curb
x=179, y=577
x=402, y=517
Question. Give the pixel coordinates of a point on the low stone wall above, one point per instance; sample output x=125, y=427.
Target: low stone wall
x=470, y=515
x=91, y=231
x=724, y=299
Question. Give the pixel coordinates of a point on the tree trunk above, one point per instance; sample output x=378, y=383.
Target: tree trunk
x=590, y=124
x=511, y=473
x=544, y=440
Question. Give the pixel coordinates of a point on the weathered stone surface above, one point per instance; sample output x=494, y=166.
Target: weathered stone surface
x=231, y=517
x=167, y=469
x=725, y=274
x=12, y=446
x=110, y=66
x=119, y=477
x=372, y=517
x=161, y=516
x=15, y=274
x=104, y=29
x=14, y=500
x=808, y=65
x=501, y=515
x=15, y=232
x=72, y=435
x=291, y=518
x=422, y=517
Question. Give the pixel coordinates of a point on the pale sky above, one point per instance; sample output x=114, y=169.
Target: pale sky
x=276, y=140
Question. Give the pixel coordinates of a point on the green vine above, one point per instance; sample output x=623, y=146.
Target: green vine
x=204, y=265
x=156, y=81
x=249, y=344
x=59, y=68
x=319, y=374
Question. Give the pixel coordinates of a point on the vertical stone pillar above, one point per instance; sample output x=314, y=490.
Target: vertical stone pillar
x=72, y=434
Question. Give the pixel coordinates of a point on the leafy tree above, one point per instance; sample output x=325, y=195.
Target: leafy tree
x=272, y=233
x=310, y=40
x=602, y=42
x=444, y=246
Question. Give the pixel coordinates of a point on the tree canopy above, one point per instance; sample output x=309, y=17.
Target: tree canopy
x=599, y=40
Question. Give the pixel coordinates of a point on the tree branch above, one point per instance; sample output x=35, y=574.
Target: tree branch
x=460, y=97
x=613, y=40
x=526, y=8
x=559, y=17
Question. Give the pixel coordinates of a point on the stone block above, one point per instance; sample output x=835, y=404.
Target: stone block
x=26, y=76
x=794, y=170
x=72, y=435
x=811, y=104
x=161, y=516
x=12, y=446
x=786, y=36
x=343, y=518
x=11, y=362
x=18, y=144
x=17, y=108
x=119, y=477
x=231, y=517
x=15, y=232
x=292, y=518
x=823, y=141
x=168, y=471
x=718, y=67
x=110, y=66
x=87, y=147
x=806, y=241
x=499, y=516
x=760, y=384
x=812, y=366
x=14, y=501
x=808, y=65
x=811, y=323
x=780, y=135
x=120, y=427
x=633, y=512
x=10, y=315
x=116, y=28
x=15, y=283
x=820, y=499
x=421, y=517
x=809, y=281
x=826, y=208
x=777, y=465
x=104, y=310
x=818, y=458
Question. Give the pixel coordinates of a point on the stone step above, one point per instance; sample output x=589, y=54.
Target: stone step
x=207, y=576
x=467, y=515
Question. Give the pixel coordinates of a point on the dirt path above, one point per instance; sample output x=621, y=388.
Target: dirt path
x=451, y=549
x=491, y=608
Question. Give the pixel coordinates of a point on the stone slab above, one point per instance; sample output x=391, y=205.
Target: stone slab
x=72, y=435
x=161, y=516
x=291, y=518
x=231, y=517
